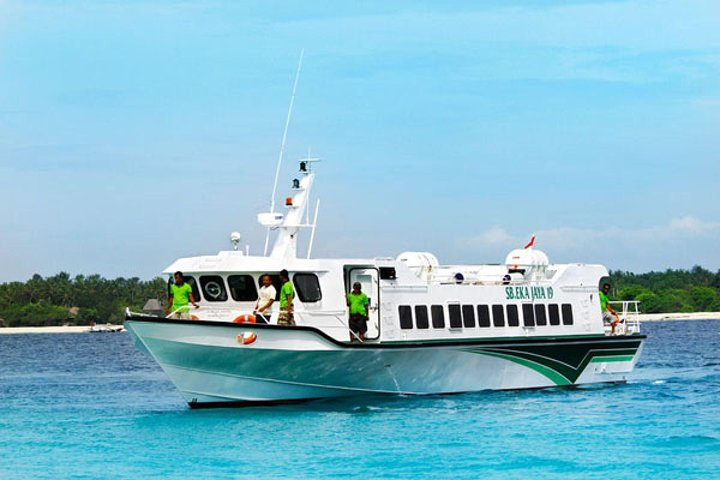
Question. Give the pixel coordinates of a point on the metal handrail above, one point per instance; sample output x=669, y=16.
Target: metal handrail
x=629, y=312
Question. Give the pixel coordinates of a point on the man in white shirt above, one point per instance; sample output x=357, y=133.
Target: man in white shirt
x=266, y=297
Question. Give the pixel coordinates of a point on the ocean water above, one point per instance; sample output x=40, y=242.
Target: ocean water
x=91, y=406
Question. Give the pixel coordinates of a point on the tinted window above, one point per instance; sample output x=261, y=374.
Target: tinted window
x=421, y=317
x=540, y=316
x=307, y=287
x=483, y=316
x=468, y=314
x=455, y=319
x=438, y=316
x=190, y=281
x=512, y=316
x=528, y=315
x=213, y=288
x=405, y=317
x=567, y=314
x=498, y=316
x=242, y=288
x=554, y=312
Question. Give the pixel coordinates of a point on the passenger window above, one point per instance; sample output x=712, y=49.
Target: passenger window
x=405, y=312
x=190, y=281
x=483, y=316
x=455, y=318
x=554, y=313
x=438, y=316
x=528, y=315
x=512, y=316
x=307, y=287
x=242, y=288
x=468, y=314
x=540, y=317
x=498, y=316
x=567, y=314
x=421, y=317
x=213, y=288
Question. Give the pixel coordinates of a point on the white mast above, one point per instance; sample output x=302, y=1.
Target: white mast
x=282, y=146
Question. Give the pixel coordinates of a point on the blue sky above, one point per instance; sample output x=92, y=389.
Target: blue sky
x=135, y=132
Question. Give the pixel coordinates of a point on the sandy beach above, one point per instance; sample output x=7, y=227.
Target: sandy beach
x=65, y=329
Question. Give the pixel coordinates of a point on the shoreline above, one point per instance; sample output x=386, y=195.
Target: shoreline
x=643, y=317
x=62, y=329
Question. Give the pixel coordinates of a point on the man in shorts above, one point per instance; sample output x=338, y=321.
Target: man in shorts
x=359, y=307
x=608, y=314
x=287, y=294
x=179, y=297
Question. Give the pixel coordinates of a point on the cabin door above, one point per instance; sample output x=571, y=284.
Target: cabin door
x=368, y=278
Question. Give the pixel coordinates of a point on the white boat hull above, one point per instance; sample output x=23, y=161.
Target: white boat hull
x=211, y=366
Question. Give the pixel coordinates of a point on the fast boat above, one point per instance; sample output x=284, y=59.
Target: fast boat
x=432, y=328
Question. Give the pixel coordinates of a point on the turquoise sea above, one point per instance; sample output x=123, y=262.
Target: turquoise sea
x=91, y=406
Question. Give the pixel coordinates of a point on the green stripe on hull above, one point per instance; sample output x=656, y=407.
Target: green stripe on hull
x=557, y=378
x=563, y=364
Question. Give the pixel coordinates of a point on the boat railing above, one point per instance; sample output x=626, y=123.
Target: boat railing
x=629, y=313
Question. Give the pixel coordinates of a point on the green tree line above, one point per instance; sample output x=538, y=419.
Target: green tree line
x=82, y=300
x=694, y=290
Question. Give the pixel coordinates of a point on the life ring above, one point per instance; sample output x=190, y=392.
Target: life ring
x=194, y=317
x=246, y=338
x=245, y=318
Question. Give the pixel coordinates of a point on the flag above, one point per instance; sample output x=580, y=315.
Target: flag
x=531, y=242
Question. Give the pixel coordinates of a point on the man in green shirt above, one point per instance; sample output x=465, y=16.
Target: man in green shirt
x=287, y=294
x=608, y=314
x=359, y=308
x=179, y=296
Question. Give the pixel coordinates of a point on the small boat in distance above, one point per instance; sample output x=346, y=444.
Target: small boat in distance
x=432, y=329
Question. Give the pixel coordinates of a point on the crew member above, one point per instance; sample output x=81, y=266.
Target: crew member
x=359, y=308
x=179, y=297
x=287, y=294
x=266, y=297
x=608, y=314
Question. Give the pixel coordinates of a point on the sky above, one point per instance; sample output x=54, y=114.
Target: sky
x=135, y=132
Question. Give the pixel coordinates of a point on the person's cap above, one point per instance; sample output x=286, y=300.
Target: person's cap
x=357, y=285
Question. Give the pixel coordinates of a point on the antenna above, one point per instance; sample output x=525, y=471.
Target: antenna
x=284, y=137
x=282, y=146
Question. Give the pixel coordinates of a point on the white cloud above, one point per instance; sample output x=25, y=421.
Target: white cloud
x=692, y=226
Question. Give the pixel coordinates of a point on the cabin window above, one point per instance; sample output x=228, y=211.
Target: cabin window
x=190, y=281
x=405, y=313
x=388, y=273
x=567, y=314
x=455, y=318
x=483, y=316
x=307, y=286
x=528, y=315
x=242, y=288
x=498, y=316
x=468, y=314
x=554, y=313
x=540, y=316
x=213, y=288
x=438, y=316
x=421, y=317
x=512, y=316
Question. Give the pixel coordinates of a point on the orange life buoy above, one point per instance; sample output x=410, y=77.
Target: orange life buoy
x=246, y=338
x=246, y=318
x=194, y=317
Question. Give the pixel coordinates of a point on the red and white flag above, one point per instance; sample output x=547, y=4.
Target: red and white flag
x=531, y=242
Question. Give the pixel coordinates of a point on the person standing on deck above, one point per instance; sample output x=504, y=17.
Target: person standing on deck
x=287, y=293
x=266, y=298
x=179, y=297
x=608, y=314
x=359, y=311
